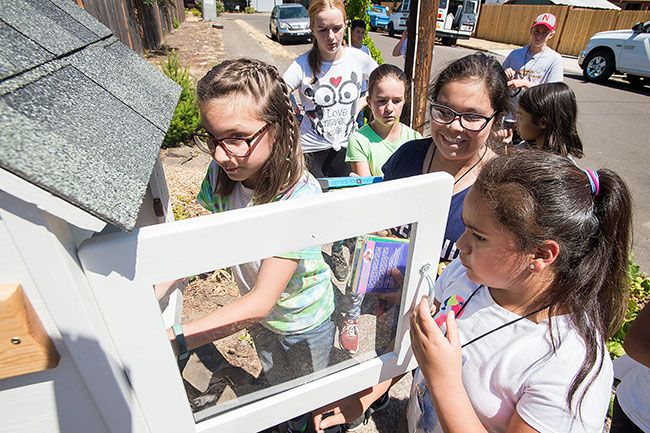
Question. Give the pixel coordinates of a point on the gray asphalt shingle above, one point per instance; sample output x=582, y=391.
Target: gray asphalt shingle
x=87, y=124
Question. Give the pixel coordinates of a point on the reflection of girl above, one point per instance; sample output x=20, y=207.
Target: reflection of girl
x=252, y=136
x=543, y=272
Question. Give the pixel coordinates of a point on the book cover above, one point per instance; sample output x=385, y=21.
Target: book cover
x=374, y=258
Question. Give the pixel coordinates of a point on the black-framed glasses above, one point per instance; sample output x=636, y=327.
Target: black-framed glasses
x=233, y=146
x=471, y=121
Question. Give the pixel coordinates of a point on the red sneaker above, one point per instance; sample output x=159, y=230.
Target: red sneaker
x=349, y=336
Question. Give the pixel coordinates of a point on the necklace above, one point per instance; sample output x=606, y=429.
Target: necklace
x=466, y=172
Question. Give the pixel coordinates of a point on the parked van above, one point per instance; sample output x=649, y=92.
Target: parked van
x=456, y=19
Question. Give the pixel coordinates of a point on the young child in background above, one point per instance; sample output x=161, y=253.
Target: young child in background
x=329, y=78
x=357, y=33
x=546, y=119
x=542, y=276
x=288, y=299
x=400, y=47
x=368, y=149
x=535, y=63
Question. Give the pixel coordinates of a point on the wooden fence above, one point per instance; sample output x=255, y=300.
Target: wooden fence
x=137, y=25
x=511, y=24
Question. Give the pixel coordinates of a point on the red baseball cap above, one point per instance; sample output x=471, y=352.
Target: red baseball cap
x=545, y=19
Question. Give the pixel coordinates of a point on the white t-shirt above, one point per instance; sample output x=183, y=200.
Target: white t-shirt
x=633, y=394
x=514, y=368
x=330, y=103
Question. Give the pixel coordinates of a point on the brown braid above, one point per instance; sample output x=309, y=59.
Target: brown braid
x=233, y=80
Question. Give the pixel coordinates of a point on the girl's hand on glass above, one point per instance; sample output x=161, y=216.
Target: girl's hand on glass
x=439, y=356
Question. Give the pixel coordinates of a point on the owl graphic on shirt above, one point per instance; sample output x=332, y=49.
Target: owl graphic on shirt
x=335, y=107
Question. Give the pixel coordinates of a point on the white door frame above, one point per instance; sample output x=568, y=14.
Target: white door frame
x=122, y=267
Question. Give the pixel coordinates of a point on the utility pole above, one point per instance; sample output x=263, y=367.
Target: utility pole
x=419, y=57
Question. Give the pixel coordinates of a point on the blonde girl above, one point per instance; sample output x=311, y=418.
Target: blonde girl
x=371, y=146
x=329, y=80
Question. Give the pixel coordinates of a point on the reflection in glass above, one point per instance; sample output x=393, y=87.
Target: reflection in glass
x=269, y=356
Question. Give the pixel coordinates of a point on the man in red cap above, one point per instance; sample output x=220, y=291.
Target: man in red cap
x=536, y=63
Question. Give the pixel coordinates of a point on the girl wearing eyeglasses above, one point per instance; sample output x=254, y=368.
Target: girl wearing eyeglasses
x=467, y=101
x=287, y=300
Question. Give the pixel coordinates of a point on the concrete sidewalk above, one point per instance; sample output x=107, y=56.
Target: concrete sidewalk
x=501, y=49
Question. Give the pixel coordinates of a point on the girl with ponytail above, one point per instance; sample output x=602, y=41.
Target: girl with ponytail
x=540, y=284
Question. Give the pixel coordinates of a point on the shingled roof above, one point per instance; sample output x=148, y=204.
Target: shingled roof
x=81, y=115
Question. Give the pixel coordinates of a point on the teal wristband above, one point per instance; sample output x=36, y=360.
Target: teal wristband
x=180, y=341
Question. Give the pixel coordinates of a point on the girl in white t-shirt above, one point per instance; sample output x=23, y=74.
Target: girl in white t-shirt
x=329, y=78
x=540, y=283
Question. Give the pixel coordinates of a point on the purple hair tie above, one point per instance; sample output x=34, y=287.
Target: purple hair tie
x=594, y=181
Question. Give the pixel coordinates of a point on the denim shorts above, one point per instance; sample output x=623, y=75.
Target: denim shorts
x=285, y=357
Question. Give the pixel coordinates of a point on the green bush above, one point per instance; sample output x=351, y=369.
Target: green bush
x=220, y=7
x=639, y=296
x=186, y=117
x=249, y=9
x=175, y=23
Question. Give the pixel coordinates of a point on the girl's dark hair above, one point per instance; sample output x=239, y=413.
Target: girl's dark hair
x=555, y=102
x=264, y=86
x=540, y=196
x=316, y=7
x=477, y=67
x=358, y=23
x=386, y=70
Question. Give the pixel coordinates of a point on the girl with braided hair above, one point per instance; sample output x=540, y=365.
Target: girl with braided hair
x=287, y=300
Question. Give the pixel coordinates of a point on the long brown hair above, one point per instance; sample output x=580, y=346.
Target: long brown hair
x=540, y=196
x=316, y=7
x=263, y=84
x=555, y=102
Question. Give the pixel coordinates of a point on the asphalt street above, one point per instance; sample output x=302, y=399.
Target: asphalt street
x=613, y=118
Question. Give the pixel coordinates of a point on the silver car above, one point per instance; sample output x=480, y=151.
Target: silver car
x=289, y=21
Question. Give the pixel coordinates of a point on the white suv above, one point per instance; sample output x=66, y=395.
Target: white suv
x=625, y=51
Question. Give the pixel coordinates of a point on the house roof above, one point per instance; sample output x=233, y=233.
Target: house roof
x=81, y=115
x=594, y=4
